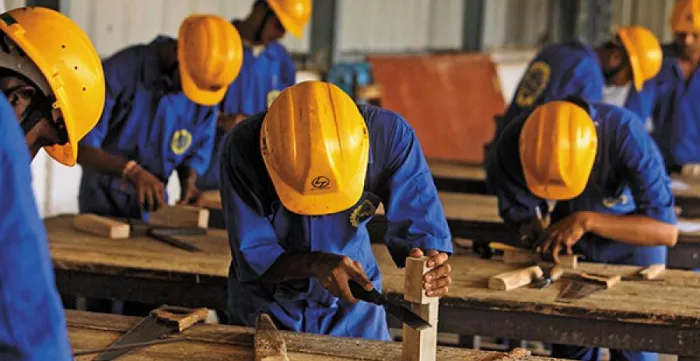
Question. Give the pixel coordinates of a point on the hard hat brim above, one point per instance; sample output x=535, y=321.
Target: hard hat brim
x=289, y=24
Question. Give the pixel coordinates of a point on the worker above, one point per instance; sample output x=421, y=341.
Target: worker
x=596, y=174
x=53, y=79
x=299, y=185
x=677, y=113
x=633, y=57
x=159, y=116
x=267, y=69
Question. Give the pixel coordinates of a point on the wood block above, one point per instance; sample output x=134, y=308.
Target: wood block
x=514, y=279
x=269, y=344
x=180, y=216
x=607, y=281
x=101, y=226
x=421, y=345
x=210, y=200
x=652, y=271
x=413, y=284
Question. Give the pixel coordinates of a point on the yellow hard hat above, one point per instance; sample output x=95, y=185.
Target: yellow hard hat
x=315, y=145
x=644, y=53
x=685, y=17
x=293, y=14
x=210, y=53
x=558, y=145
x=68, y=66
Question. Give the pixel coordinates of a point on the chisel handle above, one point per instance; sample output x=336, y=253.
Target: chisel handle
x=181, y=317
x=360, y=293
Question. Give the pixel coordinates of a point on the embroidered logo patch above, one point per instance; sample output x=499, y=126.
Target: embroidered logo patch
x=533, y=84
x=361, y=212
x=182, y=140
x=612, y=202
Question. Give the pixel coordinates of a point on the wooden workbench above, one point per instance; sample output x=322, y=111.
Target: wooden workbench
x=231, y=343
x=656, y=316
x=474, y=216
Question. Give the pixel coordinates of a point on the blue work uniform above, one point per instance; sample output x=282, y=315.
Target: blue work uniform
x=628, y=177
x=677, y=113
x=568, y=69
x=32, y=323
x=148, y=120
x=261, y=78
x=261, y=229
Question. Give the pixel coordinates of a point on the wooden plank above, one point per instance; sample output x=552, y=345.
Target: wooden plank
x=414, y=292
x=180, y=216
x=101, y=226
x=232, y=343
x=419, y=345
x=269, y=344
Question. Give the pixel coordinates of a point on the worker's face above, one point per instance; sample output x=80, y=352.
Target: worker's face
x=21, y=94
x=616, y=67
x=688, y=44
x=272, y=30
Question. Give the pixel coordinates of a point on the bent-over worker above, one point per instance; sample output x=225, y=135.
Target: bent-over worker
x=593, y=169
x=53, y=92
x=159, y=116
x=267, y=69
x=677, y=112
x=299, y=185
x=632, y=57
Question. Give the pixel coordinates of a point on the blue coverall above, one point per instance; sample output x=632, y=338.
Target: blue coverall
x=148, y=120
x=261, y=77
x=32, y=322
x=677, y=113
x=569, y=69
x=260, y=229
x=628, y=177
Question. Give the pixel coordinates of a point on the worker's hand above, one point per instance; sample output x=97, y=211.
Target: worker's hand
x=334, y=271
x=436, y=281
x=189, y=194
x=228, y=121
x=563, y=236
x=150, y=189
x=532, y=232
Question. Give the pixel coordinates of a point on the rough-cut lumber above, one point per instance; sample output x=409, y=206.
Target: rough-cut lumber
x=101, y=226
x=419, y=345
x=652, y=272
x=180, y=216
x=269, y=344
x=607, y=281
x=416, y=267
x=514, y=279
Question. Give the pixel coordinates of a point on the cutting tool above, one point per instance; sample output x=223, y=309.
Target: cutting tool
x=396, y=310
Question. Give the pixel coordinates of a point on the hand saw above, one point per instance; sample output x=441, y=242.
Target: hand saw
x=162, y=321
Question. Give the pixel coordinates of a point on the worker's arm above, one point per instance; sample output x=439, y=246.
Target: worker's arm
x=200, y=153
x=416, y=221
x=189, y=194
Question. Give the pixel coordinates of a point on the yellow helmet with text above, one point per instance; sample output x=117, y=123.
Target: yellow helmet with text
x=315, y=145
x=210, y=54
x=60, y=59
x=558, y=145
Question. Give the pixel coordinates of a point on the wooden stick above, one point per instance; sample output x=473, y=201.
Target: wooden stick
x=514, y=279
x=269, y=344
x=607, y=281
x=419, y=345
x=180, y=216
x=652, y=271
x=101, y=226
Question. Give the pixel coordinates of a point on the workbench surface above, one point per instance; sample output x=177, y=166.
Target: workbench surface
x=665, y=314
x=230, y=343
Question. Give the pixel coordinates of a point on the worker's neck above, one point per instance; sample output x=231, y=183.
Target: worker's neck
x=247, y=29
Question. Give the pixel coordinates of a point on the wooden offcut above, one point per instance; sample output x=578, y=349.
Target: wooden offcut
x=419, y=345
x=180, y=216
x=604, y=280
x=269, y=344
x=653, y=271
x=514, y=279
x=101, y=226
x=523, y=256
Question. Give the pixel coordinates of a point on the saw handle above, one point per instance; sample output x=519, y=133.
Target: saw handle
x=181, y=317
x=360, y=293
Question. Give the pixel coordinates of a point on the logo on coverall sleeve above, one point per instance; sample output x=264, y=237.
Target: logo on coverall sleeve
x=533, y=84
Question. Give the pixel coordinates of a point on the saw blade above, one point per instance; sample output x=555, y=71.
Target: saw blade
x=148, y=329
x=576, y=290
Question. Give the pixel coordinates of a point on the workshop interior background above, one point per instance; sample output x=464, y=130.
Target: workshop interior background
x=511, y=32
